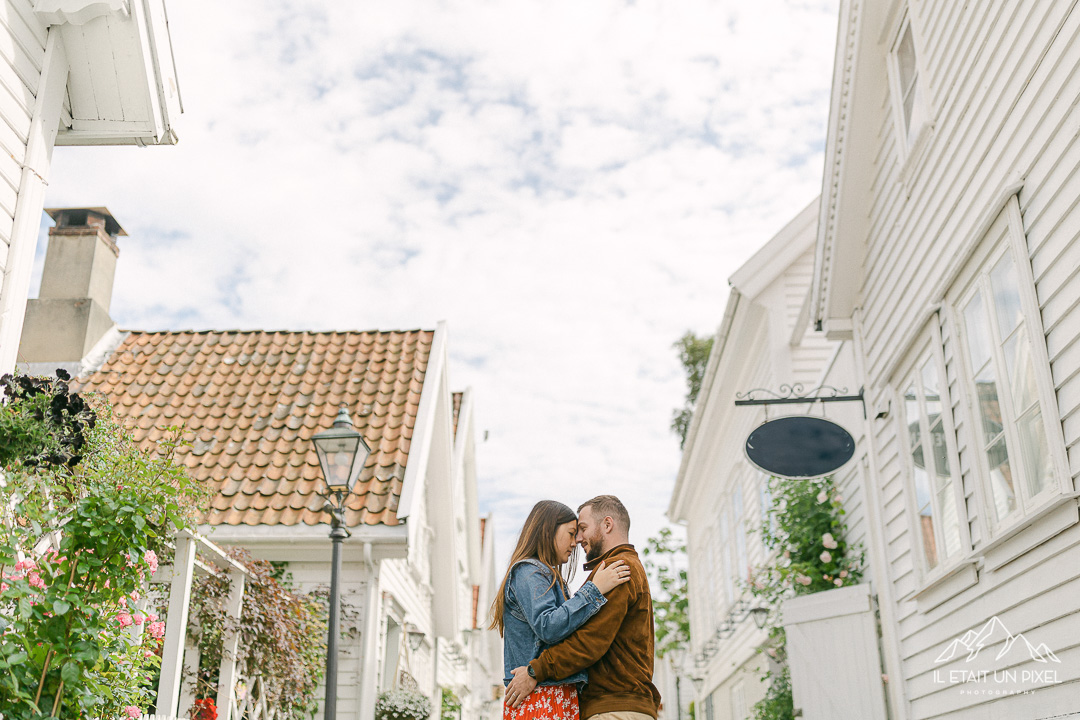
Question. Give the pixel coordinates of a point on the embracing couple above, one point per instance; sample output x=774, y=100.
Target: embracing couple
x=584, y=656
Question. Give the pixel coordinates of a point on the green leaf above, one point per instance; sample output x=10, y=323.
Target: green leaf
x=18, y=658
x=70, y=673
x=61, y=606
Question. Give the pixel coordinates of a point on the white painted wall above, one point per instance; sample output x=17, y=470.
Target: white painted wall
x=1000, y=82
x=766, y=341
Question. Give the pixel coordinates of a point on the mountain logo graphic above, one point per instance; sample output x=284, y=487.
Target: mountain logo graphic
x=992, y=633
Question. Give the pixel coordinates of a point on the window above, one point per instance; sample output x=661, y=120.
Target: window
x=907, y=73
x=742, y=563
x=738, y=701
x=998, y=314
x=765, y=506
x=725, y=542
x=932, y=459
x=907, y=87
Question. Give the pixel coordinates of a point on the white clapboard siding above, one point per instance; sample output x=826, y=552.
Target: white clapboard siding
x=908, y=247
x=22, y=52
x=1000, y=80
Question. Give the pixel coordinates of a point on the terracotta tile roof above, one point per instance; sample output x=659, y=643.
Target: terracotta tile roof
x=457, y=409
x=250, y=402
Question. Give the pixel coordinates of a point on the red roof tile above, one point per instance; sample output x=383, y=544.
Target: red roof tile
x=250, y=402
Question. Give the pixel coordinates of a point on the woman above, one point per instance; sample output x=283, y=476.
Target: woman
x=533, y=609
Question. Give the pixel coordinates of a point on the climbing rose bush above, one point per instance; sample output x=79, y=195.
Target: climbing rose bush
x=85, y=516
x=806, y=535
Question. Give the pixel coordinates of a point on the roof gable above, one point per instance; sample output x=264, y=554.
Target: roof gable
x=249, y=403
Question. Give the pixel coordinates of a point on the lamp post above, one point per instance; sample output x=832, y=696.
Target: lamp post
x=342, y=454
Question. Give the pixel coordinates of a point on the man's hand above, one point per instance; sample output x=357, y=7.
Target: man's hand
x=520, y=687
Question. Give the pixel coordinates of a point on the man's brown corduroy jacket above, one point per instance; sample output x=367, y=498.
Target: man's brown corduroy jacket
x=615, y=645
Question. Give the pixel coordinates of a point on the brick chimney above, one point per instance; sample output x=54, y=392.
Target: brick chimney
x=71, y=313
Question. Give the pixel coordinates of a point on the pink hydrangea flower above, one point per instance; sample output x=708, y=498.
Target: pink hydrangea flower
x=132, y=712
x=124, y=618
x=157, y=629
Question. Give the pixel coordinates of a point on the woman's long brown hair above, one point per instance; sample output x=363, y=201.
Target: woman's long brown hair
x=537, y=541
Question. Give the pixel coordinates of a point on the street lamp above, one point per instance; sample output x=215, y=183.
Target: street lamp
x=342, y=454
x=761, y=615
x=415, y=636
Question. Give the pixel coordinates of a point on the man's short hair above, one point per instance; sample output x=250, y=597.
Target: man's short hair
x=608, y=505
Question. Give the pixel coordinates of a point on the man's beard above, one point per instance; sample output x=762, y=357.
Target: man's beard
x=596, y=549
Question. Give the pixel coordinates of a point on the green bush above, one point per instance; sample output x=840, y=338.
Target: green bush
x=87, y=514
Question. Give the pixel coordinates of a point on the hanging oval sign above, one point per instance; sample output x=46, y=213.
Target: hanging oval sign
x=800, y=447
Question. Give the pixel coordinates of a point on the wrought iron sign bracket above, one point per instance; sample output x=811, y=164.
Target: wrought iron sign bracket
x=797, y=395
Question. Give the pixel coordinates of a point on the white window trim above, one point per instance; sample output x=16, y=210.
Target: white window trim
x=1060, y=489
x=911, y=143
x=930, y=344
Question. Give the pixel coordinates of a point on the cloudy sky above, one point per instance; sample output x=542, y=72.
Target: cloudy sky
x=568, y=183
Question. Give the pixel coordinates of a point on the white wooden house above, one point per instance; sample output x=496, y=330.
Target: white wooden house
x=72, y=72
x=765, y=341
x=417, y=569
x=947, y=263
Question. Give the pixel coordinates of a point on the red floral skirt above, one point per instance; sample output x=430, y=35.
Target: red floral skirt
x=548, y=702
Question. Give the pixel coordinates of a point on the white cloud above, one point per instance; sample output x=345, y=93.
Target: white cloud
x=568, y=184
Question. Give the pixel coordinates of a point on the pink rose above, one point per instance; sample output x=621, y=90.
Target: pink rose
x=151, y=617
x=803, y=580
x=124, y=618
x=826, y=557
x=838, y=582
x=132, y=711
x=829, y=541
x=35, y=580
x=151, y=559
x=135, y=595
x=3, y=587
x=157, y=629
x=137, y=619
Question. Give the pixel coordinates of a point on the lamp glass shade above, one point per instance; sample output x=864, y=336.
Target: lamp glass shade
x=342, y=455
x=760, y=614
x=415, y=637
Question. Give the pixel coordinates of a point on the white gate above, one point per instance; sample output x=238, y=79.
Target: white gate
x=832, y=650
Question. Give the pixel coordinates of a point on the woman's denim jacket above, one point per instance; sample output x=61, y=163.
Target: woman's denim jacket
x=537, y=616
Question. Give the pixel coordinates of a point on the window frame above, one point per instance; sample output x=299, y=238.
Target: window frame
x=911, y=134
x=930, y=347
x=975, y=277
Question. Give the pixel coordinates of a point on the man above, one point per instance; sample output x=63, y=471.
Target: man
x=616, y=645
